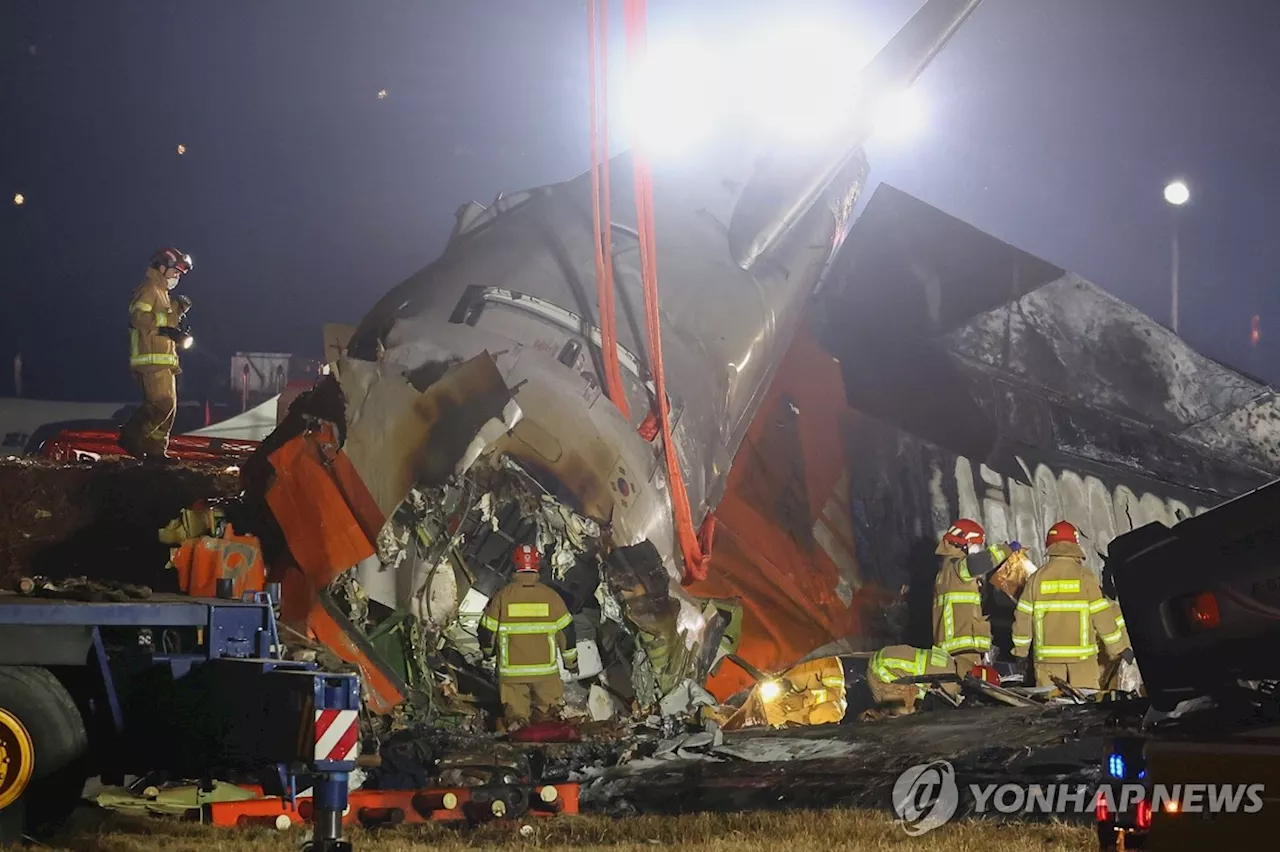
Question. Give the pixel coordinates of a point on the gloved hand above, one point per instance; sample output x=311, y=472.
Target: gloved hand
x=1015, y=546
x=172, y=332
x=183, y=303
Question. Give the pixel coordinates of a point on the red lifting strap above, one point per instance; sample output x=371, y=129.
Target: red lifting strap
x=601, y=217
x=695, y=546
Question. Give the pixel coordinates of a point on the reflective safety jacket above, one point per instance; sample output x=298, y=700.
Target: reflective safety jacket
x=529, y=622
x=959, y=626
x=151, y=310
x=898, y=661
x=1063, y=614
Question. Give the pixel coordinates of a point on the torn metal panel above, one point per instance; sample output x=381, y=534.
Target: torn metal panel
x=400, y=435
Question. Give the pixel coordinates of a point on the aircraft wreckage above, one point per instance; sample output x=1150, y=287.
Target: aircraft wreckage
x=470, y=413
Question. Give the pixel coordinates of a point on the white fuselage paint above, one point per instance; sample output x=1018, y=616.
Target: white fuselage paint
x=1013, y=510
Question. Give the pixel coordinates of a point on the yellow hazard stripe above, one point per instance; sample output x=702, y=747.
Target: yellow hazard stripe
x=1073, y=652
x=960, y=643
x=159, y=360
x=528, y=610
x=1113, y=638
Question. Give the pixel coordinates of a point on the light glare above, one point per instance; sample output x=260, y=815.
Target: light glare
x=899, y=116
x=673, y=97
x=1177, y=193
x=769, y=690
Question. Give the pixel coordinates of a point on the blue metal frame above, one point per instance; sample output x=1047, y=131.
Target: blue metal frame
x=239, y=632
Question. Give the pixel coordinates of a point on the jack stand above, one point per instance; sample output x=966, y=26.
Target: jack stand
x=329, y=800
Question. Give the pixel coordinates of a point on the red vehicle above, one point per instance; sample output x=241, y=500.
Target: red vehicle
x=96, y=444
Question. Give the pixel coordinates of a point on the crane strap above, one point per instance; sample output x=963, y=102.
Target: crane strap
x=695, y=545
x=601, y=216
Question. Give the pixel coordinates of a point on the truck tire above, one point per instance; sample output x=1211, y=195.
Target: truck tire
x=55, y=752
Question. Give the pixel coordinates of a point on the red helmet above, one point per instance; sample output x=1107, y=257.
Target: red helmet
x=965, y=533
x=526, y=558
x=172, y=258
x=1061, y=532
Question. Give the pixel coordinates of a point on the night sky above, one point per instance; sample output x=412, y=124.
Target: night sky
x=303, y=196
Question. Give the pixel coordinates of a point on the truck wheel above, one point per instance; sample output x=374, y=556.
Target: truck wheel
x=43, y=749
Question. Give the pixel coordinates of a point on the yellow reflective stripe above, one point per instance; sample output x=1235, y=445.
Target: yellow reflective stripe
x=1042, y=608
x=528, y=610
x=884, y=666
x=505, y=667
x=1075, y=652
x=1021, y=641
x=525, y=671
x=939, y=658
x=1113, y=638
x=140, y=306
x=562, y=622
x=133, y=342
x=819, y=696
x=162, y=319
x=835, y=682
x=1059, y=587
x=947, y=600
x=489, y=622
x=1100, y=605
x=160, y=360
x=530, y=628
x=963, y=568
x=1025, y=606
x=570, y=654
x=958, y=643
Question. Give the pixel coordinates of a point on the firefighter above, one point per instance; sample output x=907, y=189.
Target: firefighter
x=898, y=661
x=1062, y=615
x=528, y=622
x=959, y=626
x=154, y=334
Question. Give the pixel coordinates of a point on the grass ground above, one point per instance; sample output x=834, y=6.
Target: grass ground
x=792, y=831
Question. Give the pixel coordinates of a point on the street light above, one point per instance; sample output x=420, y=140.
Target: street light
x=1176, y=194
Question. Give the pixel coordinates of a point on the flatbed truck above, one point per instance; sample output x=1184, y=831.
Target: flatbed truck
x=180, y=686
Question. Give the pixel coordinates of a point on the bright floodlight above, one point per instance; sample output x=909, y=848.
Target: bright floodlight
x=19, y=199
x=1177, y=194
x=899, y=116
x=673, y=96
x=796, y=82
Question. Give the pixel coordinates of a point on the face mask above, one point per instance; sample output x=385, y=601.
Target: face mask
x=172, y=282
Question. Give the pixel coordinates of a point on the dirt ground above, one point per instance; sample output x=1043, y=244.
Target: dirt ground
x=98, y=520
x=795, y=831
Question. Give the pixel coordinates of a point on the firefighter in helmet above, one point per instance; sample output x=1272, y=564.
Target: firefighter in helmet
x=959, y=626
x=1063, y=615
x=525, y=624
x=155, y=334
